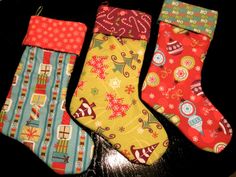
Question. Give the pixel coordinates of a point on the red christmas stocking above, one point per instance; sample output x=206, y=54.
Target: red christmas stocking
x=173, y=83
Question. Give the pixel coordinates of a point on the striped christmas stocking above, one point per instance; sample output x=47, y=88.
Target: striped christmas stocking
x=173, y=82
x=34, y=111
x=106, y=99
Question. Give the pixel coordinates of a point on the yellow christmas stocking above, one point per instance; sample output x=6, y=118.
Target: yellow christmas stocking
x=106, y=99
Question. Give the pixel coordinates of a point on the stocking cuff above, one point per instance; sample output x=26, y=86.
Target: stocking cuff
x=123, y=23
x=58, y=35
x=190, y=17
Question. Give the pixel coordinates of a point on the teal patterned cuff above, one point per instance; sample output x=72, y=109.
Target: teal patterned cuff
x=190, y=17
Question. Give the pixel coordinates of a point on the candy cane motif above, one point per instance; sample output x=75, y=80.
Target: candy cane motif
x=108, y=30
x=107, y=22
x=122, y=23
x=144, y=28
x=134, y=12
x=146, y=19
x=122, y=31
x=101, y=15
x=109, y=17
x=123, y=20
x=135, y=22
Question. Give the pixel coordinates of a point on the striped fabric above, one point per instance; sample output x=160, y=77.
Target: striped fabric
x=34, y=111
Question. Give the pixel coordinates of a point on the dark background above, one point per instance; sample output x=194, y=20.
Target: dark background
x=182, y=158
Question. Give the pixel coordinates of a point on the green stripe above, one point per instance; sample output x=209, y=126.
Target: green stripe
x=87, y=139
x=76, y=149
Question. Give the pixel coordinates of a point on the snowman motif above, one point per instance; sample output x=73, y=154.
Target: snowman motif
x=188, y=110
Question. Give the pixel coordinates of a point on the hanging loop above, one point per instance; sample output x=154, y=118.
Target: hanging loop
x=105, y=3
x=39, y=10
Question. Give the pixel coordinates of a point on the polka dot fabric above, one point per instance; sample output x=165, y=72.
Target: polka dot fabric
x=58, y=35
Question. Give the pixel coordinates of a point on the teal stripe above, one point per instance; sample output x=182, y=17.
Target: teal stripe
x=86, y=154
x=45, y=120
x=19, y=91
x=78, y=133
x=27, y=97
x=59, y=93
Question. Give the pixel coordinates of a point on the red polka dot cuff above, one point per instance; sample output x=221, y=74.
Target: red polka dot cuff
x=58, y=35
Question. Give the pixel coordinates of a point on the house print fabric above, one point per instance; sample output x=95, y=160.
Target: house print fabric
x=106, y=99
x=173, y=82
x=34, y=112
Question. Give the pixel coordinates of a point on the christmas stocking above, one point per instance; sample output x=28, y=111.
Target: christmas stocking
x=106, y=98
x=173, y=82
x=34, y=112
